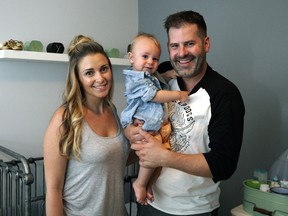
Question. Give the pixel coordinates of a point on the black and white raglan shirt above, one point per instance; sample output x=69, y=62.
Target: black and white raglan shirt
x=209, y=122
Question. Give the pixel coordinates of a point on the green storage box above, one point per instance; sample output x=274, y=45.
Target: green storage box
x=257, y=202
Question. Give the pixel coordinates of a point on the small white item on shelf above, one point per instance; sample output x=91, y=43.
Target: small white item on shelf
x=284, y=184
x=264, y=187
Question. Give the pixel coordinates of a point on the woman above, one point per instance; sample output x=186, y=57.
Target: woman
x=85, y=150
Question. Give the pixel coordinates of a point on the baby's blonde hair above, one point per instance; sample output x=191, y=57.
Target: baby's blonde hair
x=145, y=35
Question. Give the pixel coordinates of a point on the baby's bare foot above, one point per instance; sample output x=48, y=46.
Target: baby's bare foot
x=140, y=193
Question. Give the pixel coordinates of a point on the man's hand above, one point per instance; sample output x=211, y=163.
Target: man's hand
x=150, y=151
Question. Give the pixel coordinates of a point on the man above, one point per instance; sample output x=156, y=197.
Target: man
x=207, y=129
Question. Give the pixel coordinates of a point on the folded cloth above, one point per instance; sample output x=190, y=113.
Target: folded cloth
x=33, y=45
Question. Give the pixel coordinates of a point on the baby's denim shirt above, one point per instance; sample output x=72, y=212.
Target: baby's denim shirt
x=141, y=87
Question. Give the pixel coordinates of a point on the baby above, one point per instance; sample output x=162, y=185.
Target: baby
x=146, y=93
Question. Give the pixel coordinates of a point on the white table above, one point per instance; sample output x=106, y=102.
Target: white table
x=239, y=211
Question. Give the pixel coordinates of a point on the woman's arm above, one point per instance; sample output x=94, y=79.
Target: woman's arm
x=132, y=158
x=132, y=134
x=54, y=166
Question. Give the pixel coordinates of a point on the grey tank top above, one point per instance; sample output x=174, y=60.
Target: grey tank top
x=94, y=185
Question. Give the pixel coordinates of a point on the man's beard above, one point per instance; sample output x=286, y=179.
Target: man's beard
x=189, y=71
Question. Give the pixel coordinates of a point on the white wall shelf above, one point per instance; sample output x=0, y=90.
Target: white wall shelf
x=47, y=57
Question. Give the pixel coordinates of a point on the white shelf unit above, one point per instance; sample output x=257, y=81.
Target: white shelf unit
x=47, y=57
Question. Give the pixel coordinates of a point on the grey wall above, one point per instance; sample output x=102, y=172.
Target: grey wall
x=31, y=91
x=249, y=46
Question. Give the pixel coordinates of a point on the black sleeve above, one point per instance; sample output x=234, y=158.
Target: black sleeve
x=225, y=131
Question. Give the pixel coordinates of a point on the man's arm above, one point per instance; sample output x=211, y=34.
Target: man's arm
x=152, y=154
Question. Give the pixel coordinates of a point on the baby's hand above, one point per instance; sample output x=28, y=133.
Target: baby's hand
x=184, y=96
x=168, y=75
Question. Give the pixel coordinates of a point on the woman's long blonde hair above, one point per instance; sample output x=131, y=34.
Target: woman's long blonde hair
x=74, y=97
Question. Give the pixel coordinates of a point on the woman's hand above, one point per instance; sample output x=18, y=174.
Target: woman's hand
x=132, y=131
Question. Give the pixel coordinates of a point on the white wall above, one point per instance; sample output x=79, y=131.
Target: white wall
x=31, y=91
x=249, y=44
x=112, y=23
